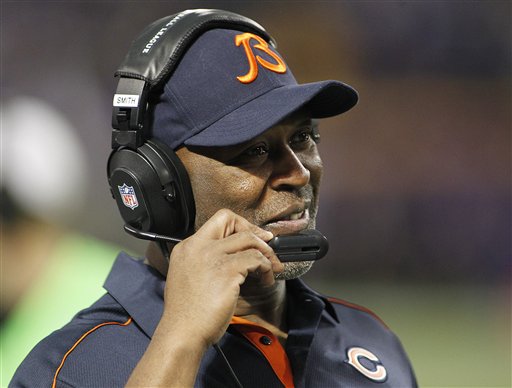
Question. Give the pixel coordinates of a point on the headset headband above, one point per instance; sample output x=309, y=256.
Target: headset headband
x=152, y=58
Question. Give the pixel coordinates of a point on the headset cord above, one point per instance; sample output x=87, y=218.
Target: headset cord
x=165, y=250
x=231, y=371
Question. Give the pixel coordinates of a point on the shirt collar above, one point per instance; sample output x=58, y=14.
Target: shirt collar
x=139, y=289
x=297, y=287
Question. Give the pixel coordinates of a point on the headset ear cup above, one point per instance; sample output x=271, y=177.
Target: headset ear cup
x=152, y=190
x=133, y=183
x=176, y=188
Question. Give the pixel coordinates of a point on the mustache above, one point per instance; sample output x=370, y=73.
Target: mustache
x=304, y=193
x=283, y=199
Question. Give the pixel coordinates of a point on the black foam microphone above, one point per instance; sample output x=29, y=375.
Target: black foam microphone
x=307, y=245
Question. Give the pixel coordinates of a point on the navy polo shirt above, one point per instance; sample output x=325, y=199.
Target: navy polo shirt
x=330, y=343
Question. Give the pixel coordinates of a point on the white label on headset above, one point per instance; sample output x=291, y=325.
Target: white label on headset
x=126, y=100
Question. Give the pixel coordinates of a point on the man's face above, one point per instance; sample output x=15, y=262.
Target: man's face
x=271, y=180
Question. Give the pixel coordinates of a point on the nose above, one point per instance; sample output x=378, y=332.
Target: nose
x=288, y=171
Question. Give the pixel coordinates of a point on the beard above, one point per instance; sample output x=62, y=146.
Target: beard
x=294, y=270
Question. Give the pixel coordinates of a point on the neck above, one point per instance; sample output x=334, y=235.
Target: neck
x=264, y=306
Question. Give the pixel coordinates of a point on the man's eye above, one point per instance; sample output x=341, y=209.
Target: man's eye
x=304, y=136
x=254, y=154
x=257, y=151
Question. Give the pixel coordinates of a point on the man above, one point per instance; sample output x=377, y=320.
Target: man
x=222, y=310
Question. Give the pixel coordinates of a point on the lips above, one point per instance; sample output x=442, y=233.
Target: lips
x=293, y=216
x=292, y=220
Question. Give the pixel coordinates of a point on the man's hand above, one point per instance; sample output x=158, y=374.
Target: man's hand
x=206, y=272
x=203, y=285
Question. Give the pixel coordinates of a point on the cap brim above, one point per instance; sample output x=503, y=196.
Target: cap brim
x=322, y=99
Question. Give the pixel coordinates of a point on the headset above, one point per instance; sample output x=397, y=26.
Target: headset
x=147, y=179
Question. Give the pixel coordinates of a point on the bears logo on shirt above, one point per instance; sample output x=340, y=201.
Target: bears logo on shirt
x=372, y=367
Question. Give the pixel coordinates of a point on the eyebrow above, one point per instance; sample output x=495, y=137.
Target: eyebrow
x=313, y=123
x=306, y=121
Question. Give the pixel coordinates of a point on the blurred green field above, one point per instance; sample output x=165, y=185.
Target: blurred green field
x=455, y=335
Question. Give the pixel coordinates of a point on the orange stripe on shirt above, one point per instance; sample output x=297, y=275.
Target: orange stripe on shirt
x=80, y=340
x=274, y=353
x=358, y=307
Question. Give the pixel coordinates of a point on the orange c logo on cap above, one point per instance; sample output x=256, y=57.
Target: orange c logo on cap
x=244, y=40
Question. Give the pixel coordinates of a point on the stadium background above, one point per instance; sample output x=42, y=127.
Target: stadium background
x=416, y=193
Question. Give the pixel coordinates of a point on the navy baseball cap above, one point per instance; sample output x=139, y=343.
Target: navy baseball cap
x=231, y=86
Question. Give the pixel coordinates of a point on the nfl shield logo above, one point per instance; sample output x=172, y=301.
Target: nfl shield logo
x=128, y=196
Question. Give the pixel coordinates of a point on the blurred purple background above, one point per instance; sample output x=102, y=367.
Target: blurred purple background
x=417, y=181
